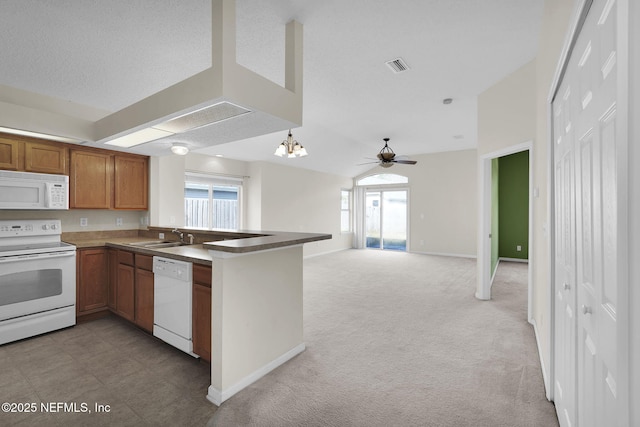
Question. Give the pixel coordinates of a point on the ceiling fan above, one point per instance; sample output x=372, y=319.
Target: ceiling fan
x=386, y=157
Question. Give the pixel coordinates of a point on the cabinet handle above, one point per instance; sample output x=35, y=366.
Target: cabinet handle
x=566, y=286
x=586, y=309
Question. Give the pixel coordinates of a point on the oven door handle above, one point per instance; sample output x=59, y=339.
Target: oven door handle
x=31, y=257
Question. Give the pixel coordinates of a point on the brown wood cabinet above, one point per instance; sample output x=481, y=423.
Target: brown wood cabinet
x=92, y=280
x=9, y=150
x=202, y=311
x=131, y=183
x=112, y=260
x=144, y=292
x=98, y=179
x=45, y=158
x=125, y=286
x=29, y=155
x=90, y=180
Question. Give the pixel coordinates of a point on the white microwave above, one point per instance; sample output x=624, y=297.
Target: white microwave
x=27, y=191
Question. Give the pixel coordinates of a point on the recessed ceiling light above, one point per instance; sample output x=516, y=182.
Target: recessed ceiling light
x=219, y=155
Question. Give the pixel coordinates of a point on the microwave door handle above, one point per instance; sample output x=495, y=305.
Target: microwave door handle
x=47, y=192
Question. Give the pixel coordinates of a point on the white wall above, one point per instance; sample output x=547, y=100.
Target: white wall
x=299, y=200
x=442, y=202
x=275, y=197
x=166, y=191
x=257, y=315
x=507, y=111
x=515, y=111
x=97, y=219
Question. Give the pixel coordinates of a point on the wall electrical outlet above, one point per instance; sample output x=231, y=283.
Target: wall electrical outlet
x=119, y=222
x=84, y=222
x=160, y=235
x=518, y=248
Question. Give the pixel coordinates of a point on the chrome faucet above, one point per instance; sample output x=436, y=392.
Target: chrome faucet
x=190, y=236
x=179, y=233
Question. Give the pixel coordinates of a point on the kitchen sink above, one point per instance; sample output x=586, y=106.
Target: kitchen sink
x=157, y=244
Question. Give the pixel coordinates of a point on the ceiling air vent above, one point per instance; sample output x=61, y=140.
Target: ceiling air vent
x=397, y=65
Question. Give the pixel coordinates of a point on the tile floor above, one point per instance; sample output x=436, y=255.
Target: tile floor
x=110, y=362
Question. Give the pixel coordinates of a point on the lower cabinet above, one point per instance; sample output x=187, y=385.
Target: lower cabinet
x=92, y=281
x=125, y=291
x=144, y=292
x=202, y=311
x=122, y=281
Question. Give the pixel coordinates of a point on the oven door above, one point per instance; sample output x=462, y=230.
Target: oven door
x=36, y=283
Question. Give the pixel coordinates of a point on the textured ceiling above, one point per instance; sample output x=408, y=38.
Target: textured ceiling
x=109, y=54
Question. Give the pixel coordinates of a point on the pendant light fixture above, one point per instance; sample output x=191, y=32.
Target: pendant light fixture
x=290, y=148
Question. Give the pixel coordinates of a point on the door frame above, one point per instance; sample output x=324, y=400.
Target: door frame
x=483, y=291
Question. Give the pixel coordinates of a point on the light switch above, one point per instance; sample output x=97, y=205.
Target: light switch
x=518, y=248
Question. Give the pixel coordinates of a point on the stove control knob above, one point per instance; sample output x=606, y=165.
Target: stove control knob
x=45, y=227
x=53, y=226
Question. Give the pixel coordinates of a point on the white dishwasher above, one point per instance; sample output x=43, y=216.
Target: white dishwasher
x=172, y=303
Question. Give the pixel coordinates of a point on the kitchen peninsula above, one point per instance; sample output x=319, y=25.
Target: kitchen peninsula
x=256, y=296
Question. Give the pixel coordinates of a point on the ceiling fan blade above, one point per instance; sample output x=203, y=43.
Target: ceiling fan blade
x=368, y=163
x=405, y=162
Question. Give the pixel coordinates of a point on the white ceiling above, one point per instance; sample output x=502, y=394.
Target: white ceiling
x=107, y=55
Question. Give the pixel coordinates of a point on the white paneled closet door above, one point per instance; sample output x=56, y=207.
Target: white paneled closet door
x=565, y=258
x=586, y=188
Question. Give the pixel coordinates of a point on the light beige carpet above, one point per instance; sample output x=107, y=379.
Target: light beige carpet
x=397, y=339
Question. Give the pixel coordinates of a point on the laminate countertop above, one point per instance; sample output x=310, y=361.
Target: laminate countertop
x=199, y=253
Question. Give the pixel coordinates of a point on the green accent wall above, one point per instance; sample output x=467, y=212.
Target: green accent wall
x=495, y=216
x=513, y=205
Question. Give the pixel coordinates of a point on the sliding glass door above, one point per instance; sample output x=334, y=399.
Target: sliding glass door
x=386, y=219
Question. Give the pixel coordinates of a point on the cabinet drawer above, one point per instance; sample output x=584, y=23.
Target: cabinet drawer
x=202, y=275
x=125, y=257
x=144, y=262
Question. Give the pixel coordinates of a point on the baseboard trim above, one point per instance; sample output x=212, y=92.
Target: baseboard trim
x=326, y=253
x=216, y=396
x=545, y=375
x=443, y=254
x=526, y=261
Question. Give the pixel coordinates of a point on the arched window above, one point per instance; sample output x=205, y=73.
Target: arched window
x=382, y=179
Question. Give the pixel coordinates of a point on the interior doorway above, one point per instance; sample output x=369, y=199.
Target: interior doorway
x=386, y=219
x=487, y=226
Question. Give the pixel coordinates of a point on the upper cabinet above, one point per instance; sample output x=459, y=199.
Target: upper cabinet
x=44, y=158
x=103, y=180
x=90, y=180
x=98, y=179
x=9, y=154
x=30, y=156
x=131, y=183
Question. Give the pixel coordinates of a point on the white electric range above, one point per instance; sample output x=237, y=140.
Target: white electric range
x=37, y=279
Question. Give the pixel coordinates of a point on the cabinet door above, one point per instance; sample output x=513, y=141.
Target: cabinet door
x=44, y=158
x=131, y=183
x=144, y=299
x=91, y=279
x=90, y=180
x=201, y=325
x=112, y=257
x=8, y=154
x=202, y=321
x=125, y=292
